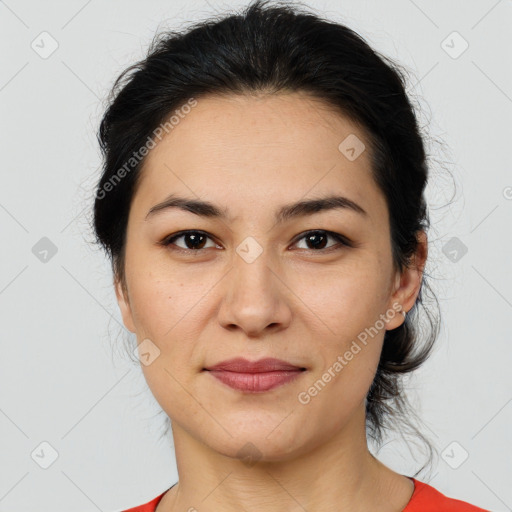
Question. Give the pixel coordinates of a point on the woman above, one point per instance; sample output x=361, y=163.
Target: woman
x=262, y=204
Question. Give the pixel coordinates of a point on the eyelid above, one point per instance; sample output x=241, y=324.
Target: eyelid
x=341, y=239
x=166, y=242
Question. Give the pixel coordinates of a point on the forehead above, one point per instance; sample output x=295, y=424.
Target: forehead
x=247, y=152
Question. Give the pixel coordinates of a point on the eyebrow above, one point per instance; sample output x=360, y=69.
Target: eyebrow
x=287, y=212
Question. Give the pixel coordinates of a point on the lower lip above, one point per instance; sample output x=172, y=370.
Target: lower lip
x=255, y=382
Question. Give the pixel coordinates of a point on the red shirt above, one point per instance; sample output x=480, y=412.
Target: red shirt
x=425, y=498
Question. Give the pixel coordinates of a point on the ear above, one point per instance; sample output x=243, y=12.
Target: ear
x=124, y=305
x=408, y=283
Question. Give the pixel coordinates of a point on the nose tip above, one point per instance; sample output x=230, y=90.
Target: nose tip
x=253, y=300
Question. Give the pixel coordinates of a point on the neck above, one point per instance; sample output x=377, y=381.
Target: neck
x=330, y=475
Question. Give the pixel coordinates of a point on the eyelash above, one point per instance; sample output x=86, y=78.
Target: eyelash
x=345, y=242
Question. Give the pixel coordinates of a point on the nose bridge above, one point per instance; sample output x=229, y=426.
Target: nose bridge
x=253, y=270
x=252, y=298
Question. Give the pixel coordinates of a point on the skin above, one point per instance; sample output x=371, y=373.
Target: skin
x=295, y=302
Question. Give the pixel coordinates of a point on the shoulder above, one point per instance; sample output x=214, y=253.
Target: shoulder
x=428, y=499
x=424, y=499
x=150, y=506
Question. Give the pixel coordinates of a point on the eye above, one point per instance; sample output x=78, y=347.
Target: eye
x=318, y=238
x=195, y=240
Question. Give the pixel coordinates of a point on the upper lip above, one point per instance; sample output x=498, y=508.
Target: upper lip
x=242, y=365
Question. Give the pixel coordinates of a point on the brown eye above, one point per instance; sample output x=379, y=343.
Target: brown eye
x=317, y=240
x=193, y=240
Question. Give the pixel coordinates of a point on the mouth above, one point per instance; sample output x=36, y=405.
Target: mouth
x=255, y=382
x=242, y=365
x=255, y=376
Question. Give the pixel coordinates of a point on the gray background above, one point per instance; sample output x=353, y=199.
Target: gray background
x=63, y=379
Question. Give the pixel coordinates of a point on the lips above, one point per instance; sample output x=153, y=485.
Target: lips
x=255, y=376
x=242, y=365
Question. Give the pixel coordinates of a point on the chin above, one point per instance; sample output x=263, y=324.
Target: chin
x=257, y=447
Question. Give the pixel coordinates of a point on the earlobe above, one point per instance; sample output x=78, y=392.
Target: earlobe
x=124, y=306
x=408, y=283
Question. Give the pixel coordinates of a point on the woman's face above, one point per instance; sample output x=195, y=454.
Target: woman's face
x=255, y=285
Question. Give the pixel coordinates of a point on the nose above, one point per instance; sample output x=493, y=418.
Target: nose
x=255, y=298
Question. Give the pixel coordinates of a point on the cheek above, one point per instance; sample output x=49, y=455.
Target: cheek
x=158, y=296
x=166, y=310
x=344, y=300
x=340, y=386
x=153, y=305
x=347, y=305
